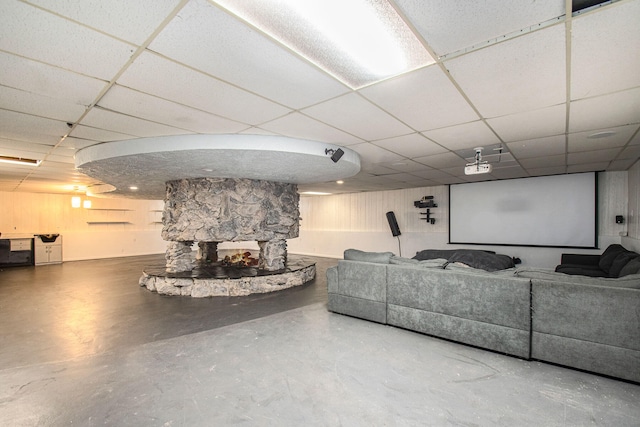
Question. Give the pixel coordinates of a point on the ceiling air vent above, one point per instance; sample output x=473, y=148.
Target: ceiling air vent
x=579, y=6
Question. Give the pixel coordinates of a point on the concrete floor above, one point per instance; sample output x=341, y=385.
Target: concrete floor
x=82, y=344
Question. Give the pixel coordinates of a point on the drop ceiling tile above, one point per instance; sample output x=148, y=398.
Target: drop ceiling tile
x=376, y=169
x=256, y=131
x=630, y=152
x=543, y=162
x=509, y=172
x=451, y=26
x=38, y=105
x=127, y=20
x=521, y=74
x=431, y=174
x=424, y=99
x=540, y=147
x=402, y=177
x=27, y=153
x=68, y=45
x=24, y=146
x=587, y=167
x=440, y=161
x=449, y=180
x=298, y=125
x=52, y=82
x=357, y=116
x=76, y=143
x=147, y=107
x=413, y=145
x=406, y=165
x=208, y=39
x=25, y=127
x=596, y=156
x=531, y=124
x=98, y=135
x=620, y=108
x=115, y=122
x=622, y=164
x=468, y=135
x=166, y=79
x=370, y=153
x=612, y=35
x=553, y=170
x=580, y=141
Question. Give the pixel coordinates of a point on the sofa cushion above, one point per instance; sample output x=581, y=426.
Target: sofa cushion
x=620, y=261
x=377, y=257
x=433, y=254
x=632, y=267
x=609, y=255
x=630, y=281
x=581, y=270
x=428, y=263
x=482, y=260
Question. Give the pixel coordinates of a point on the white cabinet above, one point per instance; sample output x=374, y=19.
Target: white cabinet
x=47, y=249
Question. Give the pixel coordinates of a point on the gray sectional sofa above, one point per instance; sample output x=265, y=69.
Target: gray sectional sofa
x=582, y=322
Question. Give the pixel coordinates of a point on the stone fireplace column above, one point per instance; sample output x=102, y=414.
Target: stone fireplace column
x=273, y=254
x=179, y=257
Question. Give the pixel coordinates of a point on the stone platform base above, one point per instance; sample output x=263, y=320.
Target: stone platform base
x=217, y=281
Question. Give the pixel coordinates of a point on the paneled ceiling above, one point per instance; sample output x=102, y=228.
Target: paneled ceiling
x=558, y=91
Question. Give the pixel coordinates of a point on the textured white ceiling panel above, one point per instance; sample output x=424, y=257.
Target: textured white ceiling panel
x=581, y=141
x=468, y=135
x=593, y=156
x=414, y=145
x=616, y=109
x=49, y=81
x=33, y=33
x=357, y=116
x=441, y=161
x=605, y=50
x=38, y=105
x=147, y=107
x=98, y=135
x=631, y=152
x=544, y=162
x=405, y=166
x=133, y=21
x=449, y=26
x=531, y=124
x=297, y=125
x=521, y=74
x=158, y=76
x=374, y=154
x=24, y=127
x=208, y=39
x=541, y=147
x=424, y=99
x=109, y=120
x=24, y=146
x=587, y=167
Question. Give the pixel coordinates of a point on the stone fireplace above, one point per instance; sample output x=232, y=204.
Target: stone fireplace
x=210, y=211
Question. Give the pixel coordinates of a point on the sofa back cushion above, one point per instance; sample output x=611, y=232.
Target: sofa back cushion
x=630, y=281
x=632, y=267
x=377, y=257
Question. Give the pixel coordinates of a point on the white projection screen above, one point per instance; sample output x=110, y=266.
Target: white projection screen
x=550, y=211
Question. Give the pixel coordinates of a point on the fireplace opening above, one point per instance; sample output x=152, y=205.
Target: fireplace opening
x=239, y=259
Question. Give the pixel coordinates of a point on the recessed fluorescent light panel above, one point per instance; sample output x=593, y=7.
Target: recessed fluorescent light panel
x=359, y=42
x=20, y=161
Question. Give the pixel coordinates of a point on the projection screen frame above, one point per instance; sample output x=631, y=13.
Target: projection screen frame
x=567, y=246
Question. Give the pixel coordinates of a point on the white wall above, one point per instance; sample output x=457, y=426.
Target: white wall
x=331, y=224
x=632, y=218
x=111, y=228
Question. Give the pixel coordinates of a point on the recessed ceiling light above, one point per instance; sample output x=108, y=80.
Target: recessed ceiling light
x=314, y=193
x=359, y=42
x=20, y=161
x=603, y=134
x=340, y=182
x=207, y=170
x=133, y=188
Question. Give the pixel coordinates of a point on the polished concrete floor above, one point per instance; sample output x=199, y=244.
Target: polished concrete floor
x=82, y=344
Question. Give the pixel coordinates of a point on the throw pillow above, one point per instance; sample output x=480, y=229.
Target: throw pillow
x=632, y=267
x=609, y=255
x=620, y=261
x=377, y=257
x=483, y=260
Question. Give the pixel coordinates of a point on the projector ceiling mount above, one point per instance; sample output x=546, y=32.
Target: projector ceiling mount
x=477, y=167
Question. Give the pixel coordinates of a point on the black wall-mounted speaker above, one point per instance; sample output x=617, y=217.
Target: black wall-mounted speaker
x=393, y=224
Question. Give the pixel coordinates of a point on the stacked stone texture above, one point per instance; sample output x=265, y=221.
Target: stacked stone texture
x=229, y=209
x=179, y=256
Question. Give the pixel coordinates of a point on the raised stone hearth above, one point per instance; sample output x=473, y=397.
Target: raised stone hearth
x=216, y=280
